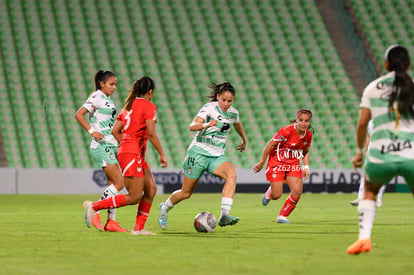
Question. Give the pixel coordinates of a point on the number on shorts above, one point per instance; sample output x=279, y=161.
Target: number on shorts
x=191, y=161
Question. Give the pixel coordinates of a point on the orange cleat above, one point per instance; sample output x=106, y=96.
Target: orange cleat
x=96, y=221
x=360, y=246
x=113, y=226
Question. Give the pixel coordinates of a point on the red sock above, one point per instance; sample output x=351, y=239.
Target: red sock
x=290, y=204
x=112, y=202
x=142, y=215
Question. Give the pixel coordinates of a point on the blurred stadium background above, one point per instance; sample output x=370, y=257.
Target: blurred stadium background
x=281, y=55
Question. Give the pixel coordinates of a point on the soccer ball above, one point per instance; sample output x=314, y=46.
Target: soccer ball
x=205, y=222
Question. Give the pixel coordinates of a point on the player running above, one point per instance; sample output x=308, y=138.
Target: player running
x=389, y=102
x=134, y=126
x=285, y=149
x=103, y=146
x=206, y=152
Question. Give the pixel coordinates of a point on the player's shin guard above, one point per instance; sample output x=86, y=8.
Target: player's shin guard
x=112, y=202
x=110, y=191
x=288, y=207
x=142, y=215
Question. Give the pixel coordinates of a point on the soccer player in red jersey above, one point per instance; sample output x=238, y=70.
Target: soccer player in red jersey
x=285, y=150
x=134, y=126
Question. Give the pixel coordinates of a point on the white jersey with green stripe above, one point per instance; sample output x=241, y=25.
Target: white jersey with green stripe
x=212, y=141
x=102, y=116
x=392, y=137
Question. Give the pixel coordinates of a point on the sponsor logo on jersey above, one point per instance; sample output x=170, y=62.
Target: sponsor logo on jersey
x=288, y=153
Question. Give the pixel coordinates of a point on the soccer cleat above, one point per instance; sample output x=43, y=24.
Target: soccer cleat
x=359, y=246
x=379, y=203
x=228, y=220
x=354, y=202
x=113, y=226
x=282, y=219
x=142, y=232
x=96, y=221
x=162, y=218
x=89, y=212
x=264, y=200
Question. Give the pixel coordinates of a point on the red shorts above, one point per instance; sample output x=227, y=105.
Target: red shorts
x=132, y=165
x=279, y=172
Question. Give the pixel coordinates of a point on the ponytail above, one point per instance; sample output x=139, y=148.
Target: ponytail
x=139, y=88
x=398, y=60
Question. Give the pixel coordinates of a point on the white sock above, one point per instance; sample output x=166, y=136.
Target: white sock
x=381, y=193
x=361, y=191
x=367, y=211
x=168, y=205
x=109, y=192
x=111, y=214
x=226, y=204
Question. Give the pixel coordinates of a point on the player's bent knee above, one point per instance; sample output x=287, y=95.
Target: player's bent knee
x=136, y=199
x=185, y=195
x=276, y=196
x=231, y=176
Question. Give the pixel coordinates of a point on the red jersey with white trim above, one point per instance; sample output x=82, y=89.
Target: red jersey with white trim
x=135, y=132
x=289, y=147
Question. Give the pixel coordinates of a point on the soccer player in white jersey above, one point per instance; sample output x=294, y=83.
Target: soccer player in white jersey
x=361, y=191
x=389, y=102
x=206, y=152
x=103, y=146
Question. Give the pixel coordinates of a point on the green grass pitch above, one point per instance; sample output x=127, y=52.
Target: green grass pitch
x=46, y=234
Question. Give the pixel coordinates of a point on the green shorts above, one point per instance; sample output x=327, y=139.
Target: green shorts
x=381, y=173
x=104, y=154
x=195, y=164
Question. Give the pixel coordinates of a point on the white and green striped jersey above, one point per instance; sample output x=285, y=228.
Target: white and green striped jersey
x=212, y=141
x=102, y=116
x=392, y=138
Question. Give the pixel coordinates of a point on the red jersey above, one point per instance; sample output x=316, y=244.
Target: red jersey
x=289, y=147
x=135, y=133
